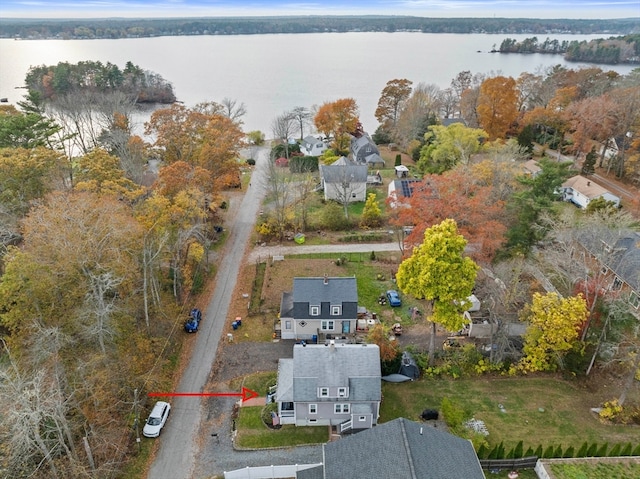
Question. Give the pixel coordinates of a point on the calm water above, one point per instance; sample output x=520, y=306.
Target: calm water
x=274, y=73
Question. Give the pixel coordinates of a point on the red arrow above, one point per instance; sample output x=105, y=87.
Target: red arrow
x=245, y=393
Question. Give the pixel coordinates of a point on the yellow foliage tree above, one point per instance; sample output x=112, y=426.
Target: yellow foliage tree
x=554, y=326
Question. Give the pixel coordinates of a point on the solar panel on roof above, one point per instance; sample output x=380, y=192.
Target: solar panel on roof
x=406, y=189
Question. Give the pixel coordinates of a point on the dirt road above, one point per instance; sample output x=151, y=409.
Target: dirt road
x=176, y=454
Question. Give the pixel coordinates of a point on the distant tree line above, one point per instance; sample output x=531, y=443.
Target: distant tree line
x=133, y=28
x=613, y=50
x=142, y=86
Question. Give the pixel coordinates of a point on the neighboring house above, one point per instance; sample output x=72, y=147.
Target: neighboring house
x=365, y=152
x=330, y=385
x=400, y=190
x=451, y=121
x=618, y=253
x=531, y=168
x=313, y=146
x=344, y=181
x=398, y=449
x=581, y=191
x=319, y=307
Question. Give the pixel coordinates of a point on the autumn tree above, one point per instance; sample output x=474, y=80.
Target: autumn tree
x=447, y=146
x=438, y=272
x=338, y=120
x=371, y=214
x=392, y=98
x=27, y=175
x=419, y=111
x=380, y=335
x=457, y=195
x=203, y=136
x=497, y=106
x=554, y=326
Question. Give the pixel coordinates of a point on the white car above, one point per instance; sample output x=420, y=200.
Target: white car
x=156, y=419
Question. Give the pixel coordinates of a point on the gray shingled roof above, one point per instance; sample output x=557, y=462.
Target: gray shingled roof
x=337, y=290
x=356, y=366
x=401, y=449
x=284, y=389
x=332, y=174
x=618, y=250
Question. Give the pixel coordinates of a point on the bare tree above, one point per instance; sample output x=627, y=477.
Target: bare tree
x=280, y=195
x=283, y=127
x=100, y=304
x=304, y=188
x=234, y=110
x=302, y=117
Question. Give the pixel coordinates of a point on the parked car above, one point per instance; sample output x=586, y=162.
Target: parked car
x=394, y=298
x=192, y=324
x=157, y=419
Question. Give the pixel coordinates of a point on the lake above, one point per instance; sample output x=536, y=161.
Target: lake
x=271, y=74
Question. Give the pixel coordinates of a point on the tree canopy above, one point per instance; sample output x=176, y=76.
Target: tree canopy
x=438, y=271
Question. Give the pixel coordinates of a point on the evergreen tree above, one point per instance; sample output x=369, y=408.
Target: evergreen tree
x=569, y=452
x=589, y=164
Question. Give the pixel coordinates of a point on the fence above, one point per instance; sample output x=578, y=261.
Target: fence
x=522, y=463
x=268, y=472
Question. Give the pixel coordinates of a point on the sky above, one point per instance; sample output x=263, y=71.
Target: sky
x=577, y=9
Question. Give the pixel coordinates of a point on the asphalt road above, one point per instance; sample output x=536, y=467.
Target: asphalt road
x=175, y=458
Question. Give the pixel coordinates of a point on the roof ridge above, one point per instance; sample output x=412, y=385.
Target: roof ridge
x=407, y=448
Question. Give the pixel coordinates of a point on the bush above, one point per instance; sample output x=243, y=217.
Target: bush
x=303, y=164
x=569, y=452
x=332, y=217
x=251, y=162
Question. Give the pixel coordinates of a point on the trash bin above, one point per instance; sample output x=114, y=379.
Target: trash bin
x=314, y=339
x=234, y=325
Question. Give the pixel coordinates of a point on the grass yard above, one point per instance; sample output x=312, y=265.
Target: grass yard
x=603, y=469
x=538, y=411
x=254, y=434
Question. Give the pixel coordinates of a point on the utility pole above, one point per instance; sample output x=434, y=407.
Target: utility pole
x=136, y=421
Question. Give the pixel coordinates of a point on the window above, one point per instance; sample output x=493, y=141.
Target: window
x=323, y=392
x=362, y=418
x=303, y=324
x=313, y=409
x=327, y=325
x=341, y=408
x=336, y=310
x=314, y=310
x=635, y=300
x=313, y=421
x=342, y=392
x=617, y=284
x=287, y=324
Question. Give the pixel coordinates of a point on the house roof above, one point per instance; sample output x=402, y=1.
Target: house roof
x=363, y=146
x=286, y=305
x=340, y=173
x=618, y=250
x=336, y=290
x=284, y=391
x=356, y=366
x=532, y=167
x=404, y=187
x=400, y=448
x=585, y=186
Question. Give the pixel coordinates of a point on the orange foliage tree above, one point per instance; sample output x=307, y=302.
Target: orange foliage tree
x=497, y=106
x=338, y=119
x=458, y=195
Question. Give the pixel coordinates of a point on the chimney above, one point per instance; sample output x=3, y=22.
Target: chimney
x=326, y=279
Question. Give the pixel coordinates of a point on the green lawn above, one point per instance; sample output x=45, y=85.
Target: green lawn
x=254, y=434
x=599, y=470
x=539, y=411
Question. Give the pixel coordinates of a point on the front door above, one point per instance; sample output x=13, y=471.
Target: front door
x=346, y=327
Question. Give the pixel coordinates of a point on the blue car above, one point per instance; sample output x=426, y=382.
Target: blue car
x=394, y=299
x=191, y=325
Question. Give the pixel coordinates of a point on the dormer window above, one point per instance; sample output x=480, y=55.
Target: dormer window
x=314, y=310
x=343, y=392
x=336, y=310
x=323, y=392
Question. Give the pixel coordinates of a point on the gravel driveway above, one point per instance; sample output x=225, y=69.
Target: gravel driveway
x=216, y=453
